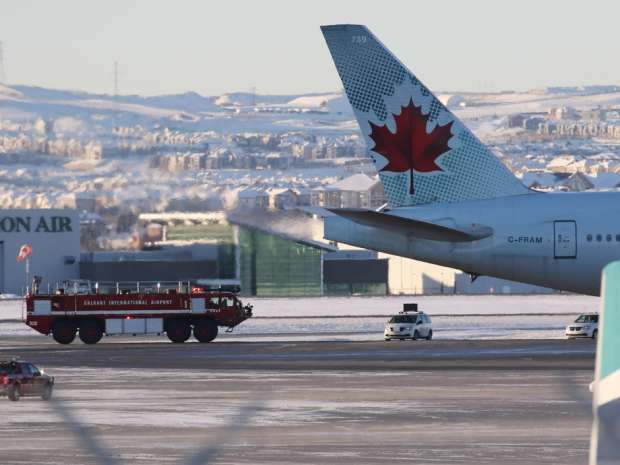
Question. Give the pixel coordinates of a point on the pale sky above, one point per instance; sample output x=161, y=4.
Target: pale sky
x=213, y=47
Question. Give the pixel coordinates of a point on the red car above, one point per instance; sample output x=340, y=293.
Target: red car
x=22, y=379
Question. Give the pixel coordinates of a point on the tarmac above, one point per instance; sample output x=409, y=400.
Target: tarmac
x=442, y=402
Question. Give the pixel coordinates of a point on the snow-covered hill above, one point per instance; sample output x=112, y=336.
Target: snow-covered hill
x=26, y=103
x=508, y=103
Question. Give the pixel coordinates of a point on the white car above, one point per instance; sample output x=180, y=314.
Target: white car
x=584, y=326
x=412, y=325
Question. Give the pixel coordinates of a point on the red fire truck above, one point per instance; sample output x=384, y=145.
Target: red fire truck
x=92, y=310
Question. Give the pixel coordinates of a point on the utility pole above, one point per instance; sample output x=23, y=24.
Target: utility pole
x=115, y=105
x=2, y=72
x=253, y=91
x=115, y=80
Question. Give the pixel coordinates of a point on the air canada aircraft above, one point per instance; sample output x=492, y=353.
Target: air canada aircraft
x=451, y=201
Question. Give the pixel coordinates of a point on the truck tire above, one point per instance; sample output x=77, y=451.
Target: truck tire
x=47, y=392
x=205, y=330
x=415, y=336
x=15, y=392
x=178, y=330
x=91, y=332
x=430, y=335
x=63, y=332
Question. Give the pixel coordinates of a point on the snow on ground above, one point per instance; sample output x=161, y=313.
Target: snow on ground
x=334, y=103
x=457, y=304
x=356, y=417
x=366, y=306
x=363, y=318
x=543, y=103
x=6, y=93
x=119, y=406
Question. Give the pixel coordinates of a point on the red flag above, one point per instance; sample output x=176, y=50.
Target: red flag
x=24, y=252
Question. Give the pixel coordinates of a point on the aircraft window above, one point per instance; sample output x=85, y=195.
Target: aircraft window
x=589, y=237
x=599, y=238
x=617, y=237
x=608, y=238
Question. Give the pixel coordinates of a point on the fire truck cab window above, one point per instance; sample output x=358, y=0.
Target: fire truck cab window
x=227, y=302
x=213, y=302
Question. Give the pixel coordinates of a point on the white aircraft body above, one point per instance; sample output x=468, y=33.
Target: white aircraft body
x=451, y=200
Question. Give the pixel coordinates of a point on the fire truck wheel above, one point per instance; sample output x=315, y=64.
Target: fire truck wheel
x=178, y=331
x=63, y=332
x=205, y=331
x=90, y=332
x=15, y=392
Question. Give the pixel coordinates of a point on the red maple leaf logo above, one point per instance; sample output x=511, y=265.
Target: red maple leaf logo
x=411, y=147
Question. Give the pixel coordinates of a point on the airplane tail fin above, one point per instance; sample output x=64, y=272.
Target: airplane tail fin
x=604, y=446
x=423, y=153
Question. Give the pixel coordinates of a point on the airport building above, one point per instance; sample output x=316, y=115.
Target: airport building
x=264, y=264
x=211, y=249
x=268, y=264
x=274, y=266
x=54, y=236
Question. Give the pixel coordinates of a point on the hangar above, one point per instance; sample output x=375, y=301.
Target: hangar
x=54, y=235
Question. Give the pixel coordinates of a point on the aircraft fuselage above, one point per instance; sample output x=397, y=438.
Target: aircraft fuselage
x=556, y=240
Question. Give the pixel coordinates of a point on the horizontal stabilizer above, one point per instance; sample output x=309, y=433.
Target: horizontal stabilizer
x=413, y=227
x=247, y=222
